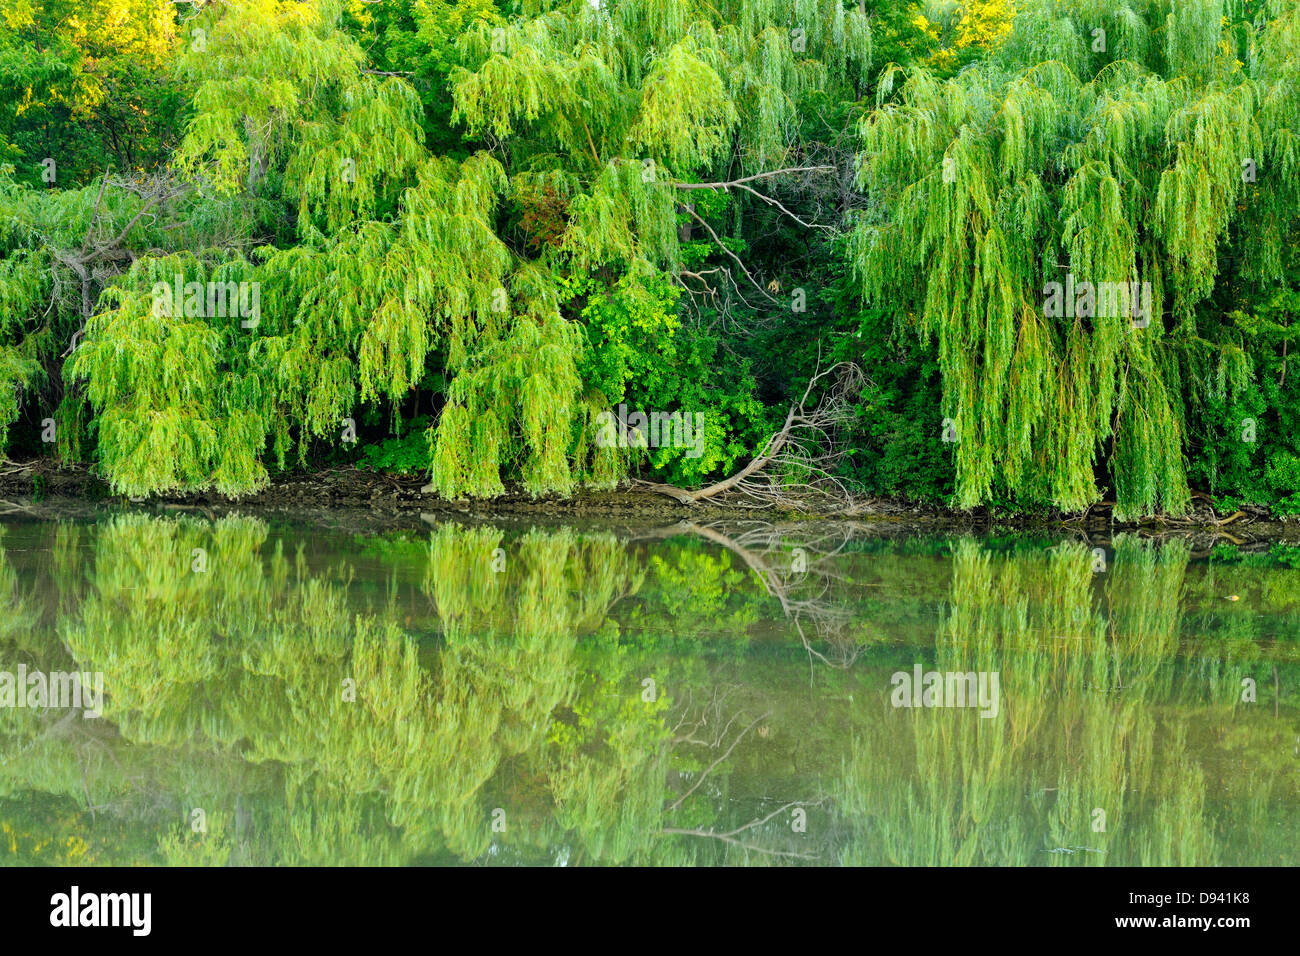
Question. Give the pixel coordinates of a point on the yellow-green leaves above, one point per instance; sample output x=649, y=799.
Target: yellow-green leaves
x=1209, y=137
x=387, y=275
x=261, y=70
x=685, y=117
x=513, y=407
x=170, y=392
x=1005, y=190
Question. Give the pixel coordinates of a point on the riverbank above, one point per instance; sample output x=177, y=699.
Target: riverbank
x=44, y=489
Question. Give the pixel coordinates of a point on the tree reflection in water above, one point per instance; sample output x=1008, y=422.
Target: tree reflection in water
x=698, y=694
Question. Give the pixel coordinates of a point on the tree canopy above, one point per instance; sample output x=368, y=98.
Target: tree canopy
x=1139, y=158
x=453, y=238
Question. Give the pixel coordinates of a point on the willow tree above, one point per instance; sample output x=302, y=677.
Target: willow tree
x=1024, y=210
x=607, y=112
x=381, y=264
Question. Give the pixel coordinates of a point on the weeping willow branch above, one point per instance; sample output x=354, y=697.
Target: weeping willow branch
x=1131, y=168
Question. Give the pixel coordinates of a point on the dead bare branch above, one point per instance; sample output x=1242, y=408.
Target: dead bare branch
x=796, y=463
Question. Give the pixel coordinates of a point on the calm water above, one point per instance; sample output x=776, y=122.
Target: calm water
x=281, y=694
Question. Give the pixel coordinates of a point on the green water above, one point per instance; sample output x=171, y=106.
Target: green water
x=285, y=694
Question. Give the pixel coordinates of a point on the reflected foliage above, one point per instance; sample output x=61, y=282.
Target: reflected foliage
x=479, y=694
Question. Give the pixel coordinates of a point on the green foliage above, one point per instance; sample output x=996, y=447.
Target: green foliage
x=894, y=452
x=87, y=85
x=319, y=164
x=504, y=220
x=1286, y=554
x=1245, y=448
x=179, y=405
x=403, y=454
x=640, y=355
x=1115, y=163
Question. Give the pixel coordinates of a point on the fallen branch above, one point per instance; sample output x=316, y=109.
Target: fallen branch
x=803, y=446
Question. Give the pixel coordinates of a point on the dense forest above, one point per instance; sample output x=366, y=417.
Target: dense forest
x=1026, y=255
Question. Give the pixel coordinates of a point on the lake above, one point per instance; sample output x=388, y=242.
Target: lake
x=276, y=692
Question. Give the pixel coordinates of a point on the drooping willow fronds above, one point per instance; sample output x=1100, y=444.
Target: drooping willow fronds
x=1053, y=215
x=396, y=269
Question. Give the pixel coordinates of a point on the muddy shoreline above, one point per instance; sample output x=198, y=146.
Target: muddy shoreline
x=350, y=497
